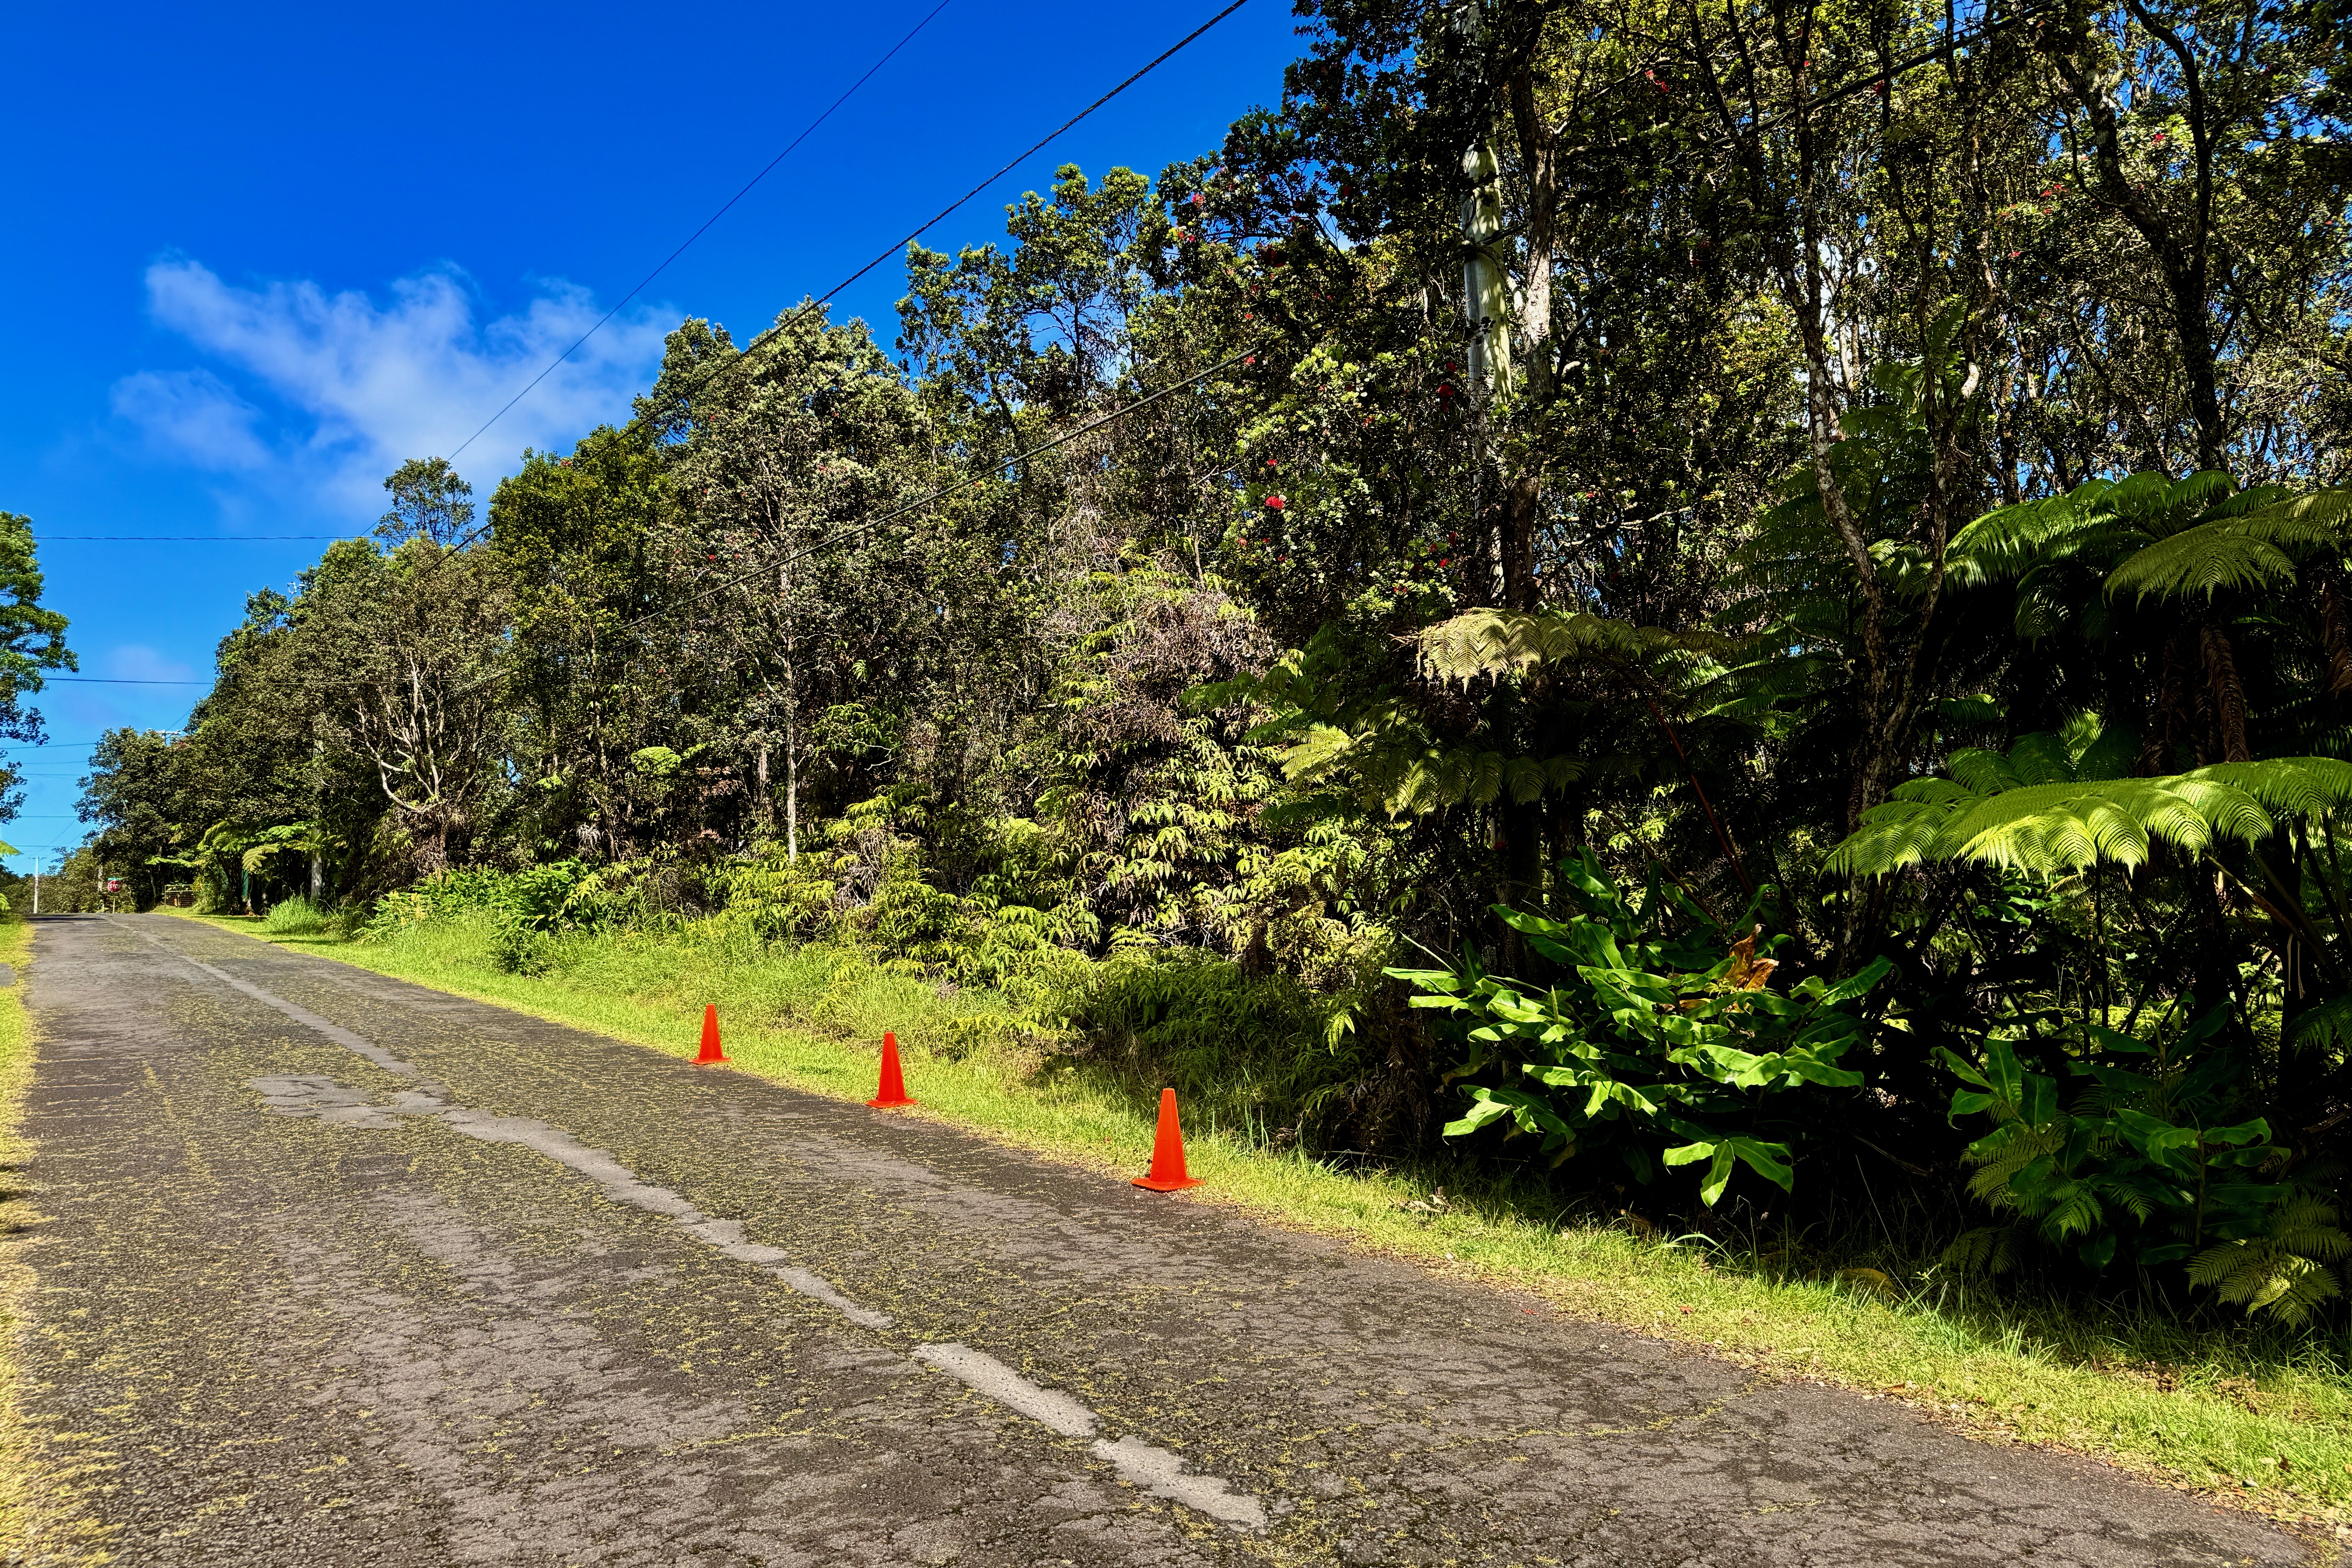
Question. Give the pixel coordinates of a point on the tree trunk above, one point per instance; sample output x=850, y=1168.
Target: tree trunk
x=2229, y=694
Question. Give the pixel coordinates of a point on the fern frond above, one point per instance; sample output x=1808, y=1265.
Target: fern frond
x=2260, y=1277
x=1507, y=642
x=2320, y=518
x=2329, y=1024
x=1987, y=1251
x=2307, y=1225
x=2074, y=1210
x=2203, y=559
x=2287, y=786
x=1988, y=815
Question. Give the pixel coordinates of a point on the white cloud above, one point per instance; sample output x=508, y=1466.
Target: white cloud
x=191, y=414
x=368, y=385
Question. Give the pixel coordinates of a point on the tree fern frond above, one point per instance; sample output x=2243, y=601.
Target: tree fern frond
x=2245, y=501
x=2329, y=1024
x=2287, y=786
x=2037, y=758
x=1982, y=771
x=2193, y=492
x=2319, y=518
x=1980, y=815
x=2139, y=495
x=2203, y=559
x=1507, y=642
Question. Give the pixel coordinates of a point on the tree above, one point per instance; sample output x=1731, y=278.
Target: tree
x=429, y=501
x=133, y=794
x=32, y=641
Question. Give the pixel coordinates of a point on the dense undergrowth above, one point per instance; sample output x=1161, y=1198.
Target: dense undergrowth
x=2262, y=1411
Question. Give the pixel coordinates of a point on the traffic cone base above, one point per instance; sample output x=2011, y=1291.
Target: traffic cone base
x=1167, y=1173
x=892, y=1092
x=711, y=1055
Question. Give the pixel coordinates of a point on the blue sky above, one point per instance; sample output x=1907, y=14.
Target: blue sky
x=257, y=256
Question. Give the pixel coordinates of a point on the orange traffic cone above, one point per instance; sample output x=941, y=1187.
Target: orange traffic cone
x=1168, y=1171
x=710, y=1051
x=893, y=1091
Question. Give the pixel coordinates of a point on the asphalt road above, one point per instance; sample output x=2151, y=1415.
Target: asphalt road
x=337, y=1271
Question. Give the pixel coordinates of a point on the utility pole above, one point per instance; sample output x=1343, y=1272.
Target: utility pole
x=791, y=722
x=1486, y=286
x=1485, y=290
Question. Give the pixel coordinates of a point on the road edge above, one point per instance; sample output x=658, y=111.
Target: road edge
x=18, y=1048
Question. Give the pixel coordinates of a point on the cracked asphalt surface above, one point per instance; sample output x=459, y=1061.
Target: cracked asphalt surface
x=493, y=1291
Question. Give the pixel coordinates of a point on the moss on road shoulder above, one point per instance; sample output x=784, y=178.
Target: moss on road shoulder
x=2259, y=1419
x=16, y=1213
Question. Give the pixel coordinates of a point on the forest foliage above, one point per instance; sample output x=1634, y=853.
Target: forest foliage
x=1730, y=604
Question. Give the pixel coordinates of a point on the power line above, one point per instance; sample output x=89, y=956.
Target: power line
x=817, y=302
x=1882, y=74
x=699, y=233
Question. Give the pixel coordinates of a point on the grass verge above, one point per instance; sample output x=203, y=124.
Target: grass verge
x=2259, y=1417
x=16, y=1213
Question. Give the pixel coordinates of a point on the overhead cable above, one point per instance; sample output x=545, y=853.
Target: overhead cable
x=724, y=208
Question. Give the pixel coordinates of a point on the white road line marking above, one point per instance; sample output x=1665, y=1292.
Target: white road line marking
x=983, y=1373
x=1155, y=1470
x=1138, y=1463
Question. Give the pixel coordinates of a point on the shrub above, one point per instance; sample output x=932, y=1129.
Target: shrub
x=782, y=897
x=2156, y=1162
x=519, y=947
x=1244, y=1051
x=297, y=916
x=397, y=913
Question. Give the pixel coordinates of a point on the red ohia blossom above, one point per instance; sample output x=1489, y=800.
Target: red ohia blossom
x=1276, y=503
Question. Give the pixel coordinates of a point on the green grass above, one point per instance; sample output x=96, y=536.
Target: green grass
x=16, y=1213
x=2261, y=1417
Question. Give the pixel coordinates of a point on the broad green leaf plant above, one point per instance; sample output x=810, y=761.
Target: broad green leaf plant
x=1657, y=1048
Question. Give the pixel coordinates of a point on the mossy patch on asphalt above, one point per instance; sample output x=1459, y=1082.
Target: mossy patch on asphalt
x=2258, y=1417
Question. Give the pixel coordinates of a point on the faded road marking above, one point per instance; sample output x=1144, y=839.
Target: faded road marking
x=1138, y=1463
